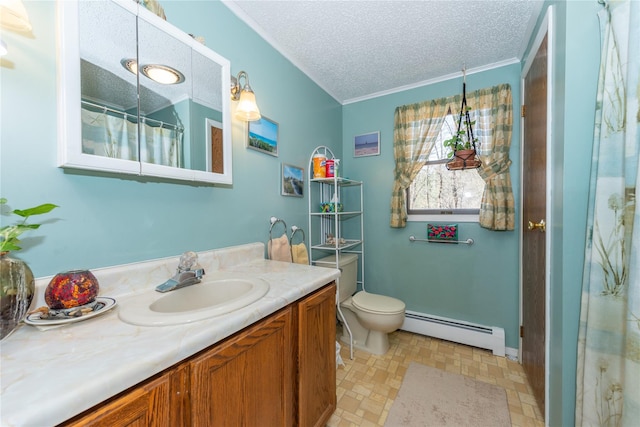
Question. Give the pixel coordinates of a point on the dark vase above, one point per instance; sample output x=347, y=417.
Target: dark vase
x=17, y=288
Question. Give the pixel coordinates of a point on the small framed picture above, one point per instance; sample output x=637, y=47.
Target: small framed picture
x=292, y=180
x=263, y=136
x=367, y=144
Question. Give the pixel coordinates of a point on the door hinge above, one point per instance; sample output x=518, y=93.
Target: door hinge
x=521, y=331
x=523, y=110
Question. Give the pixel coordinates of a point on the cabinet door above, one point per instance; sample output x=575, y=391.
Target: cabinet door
x=317, y=357
x=158, y=402
x=116, y=117
x=248, y=379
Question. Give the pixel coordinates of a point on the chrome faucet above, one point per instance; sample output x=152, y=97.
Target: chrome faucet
x=188, y=273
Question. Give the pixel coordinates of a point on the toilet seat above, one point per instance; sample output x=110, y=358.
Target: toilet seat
x=380, y=304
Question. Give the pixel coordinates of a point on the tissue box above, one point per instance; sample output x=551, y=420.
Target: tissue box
x=331, y=207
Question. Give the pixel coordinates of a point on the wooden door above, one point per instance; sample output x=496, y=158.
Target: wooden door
x=316, y=357
x=534, y=192
x=217, y=150
x=248, y=379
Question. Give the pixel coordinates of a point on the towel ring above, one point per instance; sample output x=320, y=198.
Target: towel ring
x=294, y=230
x=274, y=221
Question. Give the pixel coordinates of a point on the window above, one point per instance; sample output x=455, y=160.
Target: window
x=439, y=191
x=416, y=130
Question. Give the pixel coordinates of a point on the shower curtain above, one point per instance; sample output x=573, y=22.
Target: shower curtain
x=159, y=145
x=608, y=370
x=109, y=136
x=117, y=137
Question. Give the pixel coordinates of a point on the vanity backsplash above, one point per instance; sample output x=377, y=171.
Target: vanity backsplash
x=132, y=278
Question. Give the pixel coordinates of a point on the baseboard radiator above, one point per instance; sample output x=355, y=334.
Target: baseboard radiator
x=491, y=338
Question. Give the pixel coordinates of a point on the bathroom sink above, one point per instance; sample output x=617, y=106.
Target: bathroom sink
x=212, y=297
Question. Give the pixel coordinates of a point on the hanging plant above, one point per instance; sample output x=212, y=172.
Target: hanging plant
x=462, y=144
x=462, y=139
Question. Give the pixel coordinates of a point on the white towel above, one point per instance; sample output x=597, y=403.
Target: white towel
x=279, y=249
x=300, y=255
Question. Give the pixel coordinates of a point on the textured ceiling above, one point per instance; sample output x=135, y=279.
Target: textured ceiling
x=357, y=49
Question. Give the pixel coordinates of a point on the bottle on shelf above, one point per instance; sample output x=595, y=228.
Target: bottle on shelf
x=319, y=165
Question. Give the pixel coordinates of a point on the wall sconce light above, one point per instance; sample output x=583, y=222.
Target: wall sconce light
x=13, y=16
x=247, y=109
x=162, y=74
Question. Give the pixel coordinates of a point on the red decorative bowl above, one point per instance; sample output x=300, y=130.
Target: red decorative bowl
x=71, y=289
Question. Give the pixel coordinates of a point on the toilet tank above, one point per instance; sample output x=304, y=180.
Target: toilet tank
x=349, y=277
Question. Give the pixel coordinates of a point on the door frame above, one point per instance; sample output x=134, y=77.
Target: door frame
x=546, y=27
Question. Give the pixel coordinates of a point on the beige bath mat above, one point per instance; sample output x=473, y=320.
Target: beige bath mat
x=432, y=397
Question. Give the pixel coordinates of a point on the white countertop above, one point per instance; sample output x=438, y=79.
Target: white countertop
x=50, y=376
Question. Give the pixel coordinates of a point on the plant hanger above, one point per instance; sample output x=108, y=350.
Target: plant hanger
x=464, y=153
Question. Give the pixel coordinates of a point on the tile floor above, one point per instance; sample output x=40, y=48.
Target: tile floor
x=368, y=384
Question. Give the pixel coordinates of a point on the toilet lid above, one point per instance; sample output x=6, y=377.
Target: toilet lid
x=377, y=303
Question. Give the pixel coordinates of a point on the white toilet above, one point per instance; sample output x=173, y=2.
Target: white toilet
x=370, y=317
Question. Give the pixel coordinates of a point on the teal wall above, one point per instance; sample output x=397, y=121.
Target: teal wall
x=576, y=59
x=582, y=63
x=477, y=283
x=106, y=220
x=582, y=67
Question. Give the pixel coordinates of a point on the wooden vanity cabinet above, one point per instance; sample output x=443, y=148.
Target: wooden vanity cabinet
x=157, y=402
x=248, y=379
x=280, y=371
x=316, y=354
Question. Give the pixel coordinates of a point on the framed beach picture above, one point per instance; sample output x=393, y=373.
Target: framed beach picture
x=366, y=145
x=292, y=180
x=263, y=136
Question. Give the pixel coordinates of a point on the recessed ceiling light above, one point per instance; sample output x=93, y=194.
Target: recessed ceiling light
x=159, y=73
x=130, y=64
x=162, y=74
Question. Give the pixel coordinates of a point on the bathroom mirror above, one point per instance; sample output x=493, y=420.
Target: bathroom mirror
x=118, y=115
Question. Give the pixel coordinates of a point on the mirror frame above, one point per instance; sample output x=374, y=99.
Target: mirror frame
x=70, y=153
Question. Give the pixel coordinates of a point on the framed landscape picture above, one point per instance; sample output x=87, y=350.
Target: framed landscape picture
x=292, y=180
x=263, y=136
x=367, y=144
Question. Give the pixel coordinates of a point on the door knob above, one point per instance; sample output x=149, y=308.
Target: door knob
x=542, y=226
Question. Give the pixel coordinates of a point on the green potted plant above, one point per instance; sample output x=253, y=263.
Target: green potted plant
x=458, y=141
x=17, y=284
x=462, y=144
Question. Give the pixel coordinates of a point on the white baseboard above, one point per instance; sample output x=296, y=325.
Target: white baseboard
x=489, y=337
